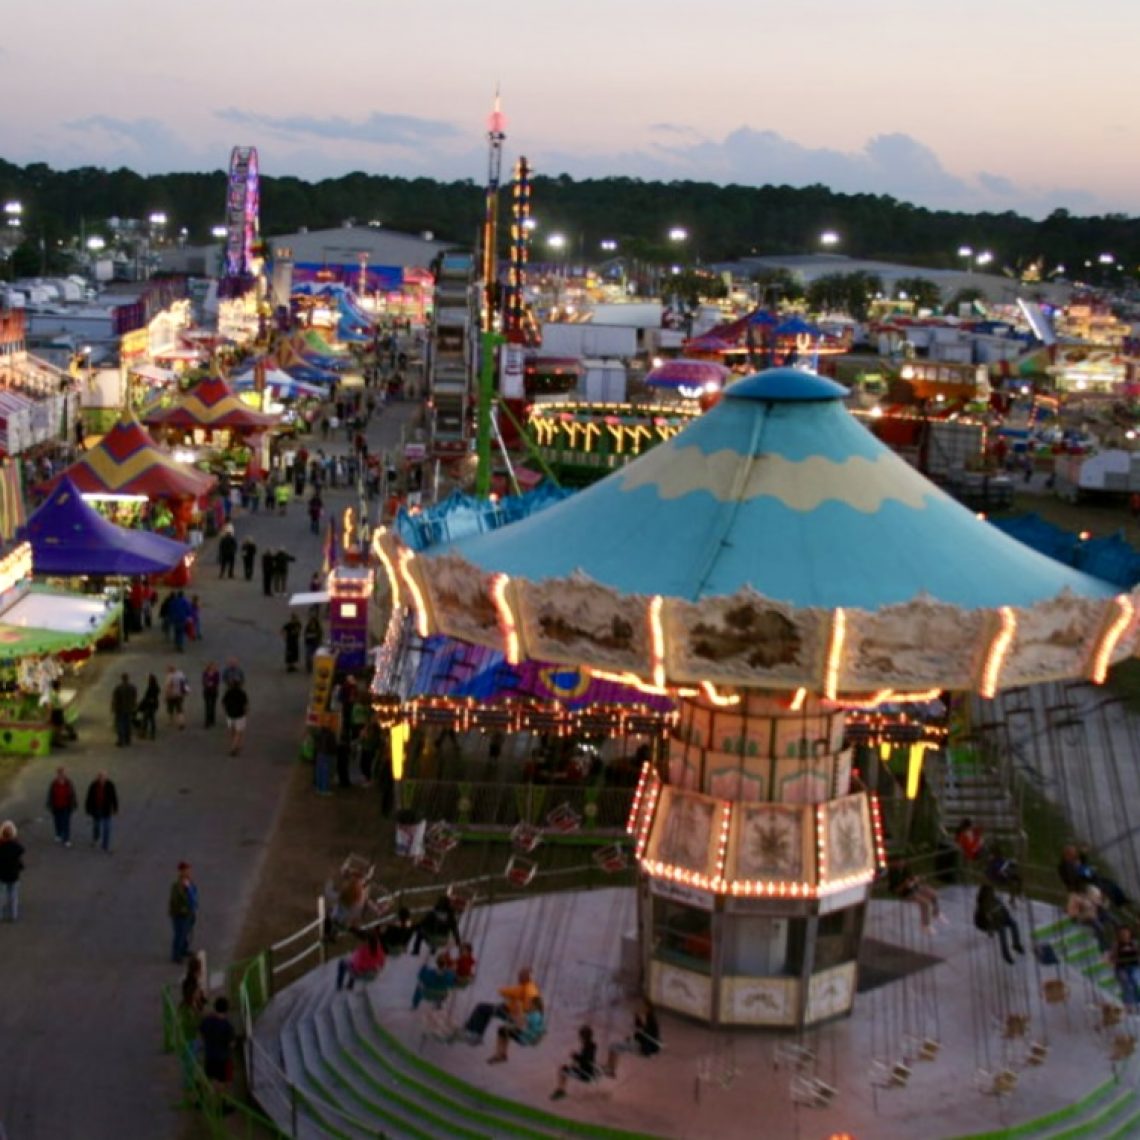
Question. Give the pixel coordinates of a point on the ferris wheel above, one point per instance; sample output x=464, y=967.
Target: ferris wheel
x=242, y=200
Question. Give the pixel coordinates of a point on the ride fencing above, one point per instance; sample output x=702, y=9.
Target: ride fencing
x=502, y=806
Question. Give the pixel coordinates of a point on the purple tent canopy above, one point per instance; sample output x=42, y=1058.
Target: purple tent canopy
x=682, y=373
x=69, y=536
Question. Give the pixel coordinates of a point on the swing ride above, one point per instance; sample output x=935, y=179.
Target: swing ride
x=774, y=568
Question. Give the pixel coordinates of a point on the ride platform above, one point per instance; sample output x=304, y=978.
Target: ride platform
x=946, y=1041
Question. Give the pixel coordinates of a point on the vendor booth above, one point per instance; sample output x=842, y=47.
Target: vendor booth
x=127, y=463
x=41, y=630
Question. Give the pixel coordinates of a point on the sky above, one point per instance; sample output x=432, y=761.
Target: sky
x=975, y=105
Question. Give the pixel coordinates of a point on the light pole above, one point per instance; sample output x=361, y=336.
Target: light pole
x=829, y=239
x=14, y=212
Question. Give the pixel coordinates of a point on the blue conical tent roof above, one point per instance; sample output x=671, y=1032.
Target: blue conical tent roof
x=779, y=489
x=69, y=536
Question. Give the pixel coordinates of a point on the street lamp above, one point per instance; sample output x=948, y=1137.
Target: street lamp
x=218, y=232
x=678, y=234
x=608, y=245
x=984, y=258
x=556, y=242
x=829, y=238
x=14, y=212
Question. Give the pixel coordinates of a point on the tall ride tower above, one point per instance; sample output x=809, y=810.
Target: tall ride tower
x=496, y=136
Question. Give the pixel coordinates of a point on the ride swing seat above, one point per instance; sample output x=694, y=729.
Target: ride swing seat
x=564, y=819
x=525, y=837
x=443, y=836
x=1038, y=1053
x=610, y=859
x=798, y=1057
x=890, y=1074
x=812, y=1092
x=1014, y=1026
x=1123, y=1046
x=461, y=899
x=1000, y=1082
x=381, y=901
x=520, y=871
x=1055, y=991
x=357, y=866
x=922, y=1048
x=1110, y=1014
x=431, y=860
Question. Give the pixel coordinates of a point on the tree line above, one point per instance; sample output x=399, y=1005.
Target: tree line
x=60, y=207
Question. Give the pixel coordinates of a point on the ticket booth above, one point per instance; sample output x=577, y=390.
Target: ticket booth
x=349, y=590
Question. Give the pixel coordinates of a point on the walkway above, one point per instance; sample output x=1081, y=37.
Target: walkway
x=82, y=969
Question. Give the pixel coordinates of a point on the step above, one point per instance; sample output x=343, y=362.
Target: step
x=446, y=1092
x=312, y=1123
x=375, y=1086
x=391, y=1124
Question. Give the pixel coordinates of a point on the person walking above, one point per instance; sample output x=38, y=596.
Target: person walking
x=62, y=802
x=235, y=702
x=233, y=673
x=227, y=551
x=124, y=705
x=179, y=620
x=101, y=804
x=281, y=560
x=313, y=636
x=248, y=558
x=291, y=631
x=211, y=686
x=174, y=690
x=148, y=708
x=316, y=509
x=11, y=866
x=183, y=910
x=267, y=573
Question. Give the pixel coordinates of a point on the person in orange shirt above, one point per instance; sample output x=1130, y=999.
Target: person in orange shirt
x=517, y=1001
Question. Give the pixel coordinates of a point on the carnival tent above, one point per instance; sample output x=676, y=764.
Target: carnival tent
x=42, y=620
x=281, y=384
x=683, y=373
x=69, y=536
x=211, y=403
x=127, y=461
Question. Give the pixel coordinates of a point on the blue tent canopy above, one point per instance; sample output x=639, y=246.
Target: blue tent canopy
x=69, y=536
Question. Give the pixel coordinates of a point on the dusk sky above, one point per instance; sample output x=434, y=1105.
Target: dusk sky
x=979, y=104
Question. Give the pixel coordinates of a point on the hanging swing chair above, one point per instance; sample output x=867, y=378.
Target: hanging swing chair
x=611, y=859
x=461, y=898
x=525, y=837
x=564, y=819
x=520, y=871
x=442, y=836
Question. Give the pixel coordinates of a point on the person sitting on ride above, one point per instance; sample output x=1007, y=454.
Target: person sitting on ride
x=398, y=933
x=645, y=1040
x=350, y=904
x=1075, y=870
x=1002, y=871
x=434, y=982
x=529, y=1031
x=970, y=840
x=583, y=1064
x=1086, y=907
x=364, y=963
x=437, y=926
x=464, y=965
x=906, y=885
x=517, y=999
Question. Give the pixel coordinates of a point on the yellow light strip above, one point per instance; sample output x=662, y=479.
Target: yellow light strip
x=389, y=568
x=997, y=654
x=418, y=603
x=631, y=679
x=722, y=843
x=724, y=700
x=507, y=625
x=1111, y=638
x=642, y=780
x=915, y=757
x=657, y=639
x=647, y=818
x=798, y=700
x=835, y=653
x=348, y=530
x=885, y=697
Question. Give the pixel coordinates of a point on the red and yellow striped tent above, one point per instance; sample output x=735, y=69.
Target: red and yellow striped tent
x=211, y=403
x=127, y=461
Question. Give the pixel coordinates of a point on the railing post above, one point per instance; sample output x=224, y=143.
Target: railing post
x=321, y=928
x=293, y=1110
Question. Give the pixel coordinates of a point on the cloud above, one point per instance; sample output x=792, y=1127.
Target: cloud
x=384, y=130
x=891, y=163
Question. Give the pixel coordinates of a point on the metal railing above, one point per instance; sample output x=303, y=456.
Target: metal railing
x=492, y=805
